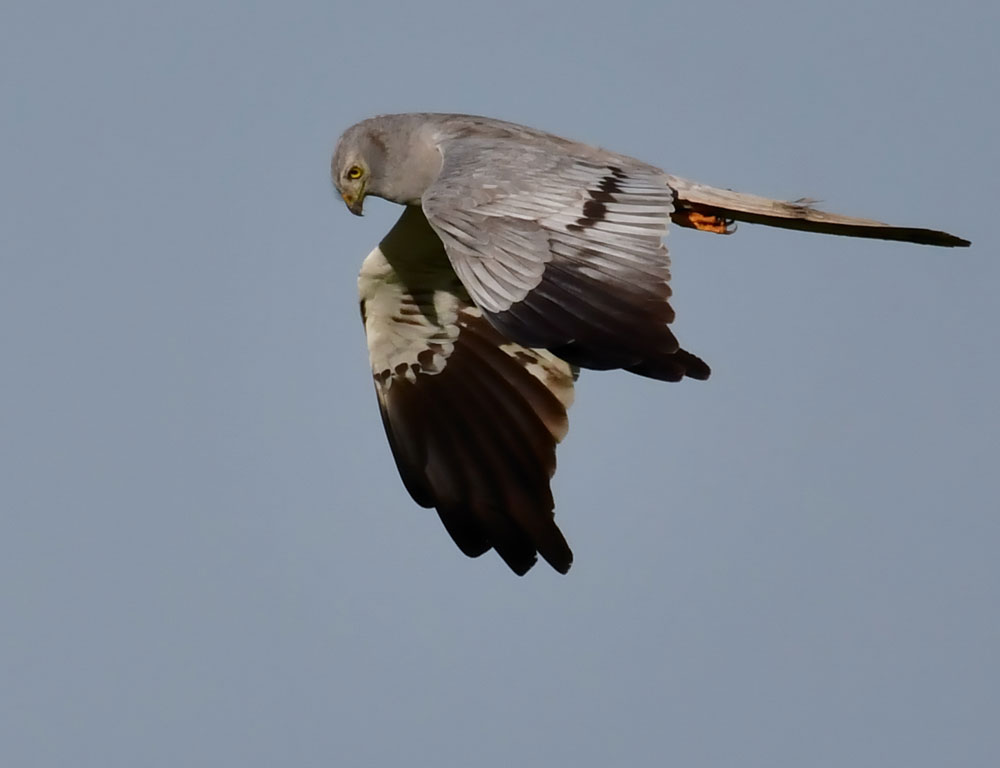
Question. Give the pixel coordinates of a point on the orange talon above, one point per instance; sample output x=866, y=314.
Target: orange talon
x=706, y=222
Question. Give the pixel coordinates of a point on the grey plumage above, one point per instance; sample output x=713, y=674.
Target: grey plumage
x=520, y=256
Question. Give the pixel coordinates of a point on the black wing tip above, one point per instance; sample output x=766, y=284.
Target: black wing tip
x=556, y=551
x=520, y=567
x=673, y=367
x=871, y=230
x=520, y=551
x=561, y=566
x=464, y=530
x=560, y=563
x=516, y=548
x=915, y=235
x=933, y=237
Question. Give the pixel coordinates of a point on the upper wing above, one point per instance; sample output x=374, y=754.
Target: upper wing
x=562, y=252
x=472, y=419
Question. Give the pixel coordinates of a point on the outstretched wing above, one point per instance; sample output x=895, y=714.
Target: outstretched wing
x=472, y=418
x=562, y=251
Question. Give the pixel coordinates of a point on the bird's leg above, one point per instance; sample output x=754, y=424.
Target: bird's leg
x=706, y=222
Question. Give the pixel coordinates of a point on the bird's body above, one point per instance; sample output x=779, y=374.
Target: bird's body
x=519, y=258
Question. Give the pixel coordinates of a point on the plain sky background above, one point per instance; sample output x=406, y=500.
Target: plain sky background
x=206, y=556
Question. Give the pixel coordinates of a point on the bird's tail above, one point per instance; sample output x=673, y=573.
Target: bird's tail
x=714, y=210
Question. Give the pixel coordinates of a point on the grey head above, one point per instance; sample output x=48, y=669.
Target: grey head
x=394, y=157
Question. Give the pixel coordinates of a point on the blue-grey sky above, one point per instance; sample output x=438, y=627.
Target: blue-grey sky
x=206, y=556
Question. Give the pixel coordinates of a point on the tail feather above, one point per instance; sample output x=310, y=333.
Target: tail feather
x=797, y=214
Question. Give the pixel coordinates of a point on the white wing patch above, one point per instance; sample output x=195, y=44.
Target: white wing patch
x=472, y=418
x=411, y=329
x=556, y=374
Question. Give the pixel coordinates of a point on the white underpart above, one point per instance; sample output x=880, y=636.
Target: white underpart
x=402, y=321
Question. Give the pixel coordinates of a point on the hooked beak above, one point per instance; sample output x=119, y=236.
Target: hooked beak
x=354, y=204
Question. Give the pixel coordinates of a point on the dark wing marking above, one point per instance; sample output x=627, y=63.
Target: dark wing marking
x=472, y=419
x=563, y=253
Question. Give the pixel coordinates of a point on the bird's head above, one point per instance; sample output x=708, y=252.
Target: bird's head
x=392, y=156
x=357, y=164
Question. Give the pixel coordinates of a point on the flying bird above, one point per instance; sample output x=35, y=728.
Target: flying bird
x=519, y=258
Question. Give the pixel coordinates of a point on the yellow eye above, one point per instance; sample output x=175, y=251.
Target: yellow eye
x=354, y=172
